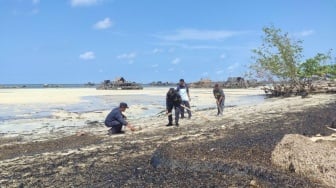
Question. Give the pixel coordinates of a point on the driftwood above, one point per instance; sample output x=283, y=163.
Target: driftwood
x=320, y=86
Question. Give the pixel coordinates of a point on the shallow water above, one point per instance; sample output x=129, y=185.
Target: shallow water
x=149, y=104
x=36, y=116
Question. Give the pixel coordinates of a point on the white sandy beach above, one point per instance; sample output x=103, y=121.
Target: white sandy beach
x=48, y=112
x=36, y=114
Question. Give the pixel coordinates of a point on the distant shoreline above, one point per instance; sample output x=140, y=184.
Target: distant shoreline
x=30, y=86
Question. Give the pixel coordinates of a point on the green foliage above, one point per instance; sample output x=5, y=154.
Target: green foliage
x=314, y=66
x=278, y=57
x=329, y=69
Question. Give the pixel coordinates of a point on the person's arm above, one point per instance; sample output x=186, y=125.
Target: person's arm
x=214, y=93
x=222, y=95
x=124, y=122
x=188, y=92
x=167, y=101
x=121, y=119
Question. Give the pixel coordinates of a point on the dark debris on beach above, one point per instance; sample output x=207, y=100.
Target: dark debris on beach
x=235, y=157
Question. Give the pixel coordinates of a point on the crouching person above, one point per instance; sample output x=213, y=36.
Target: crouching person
x=115, y=119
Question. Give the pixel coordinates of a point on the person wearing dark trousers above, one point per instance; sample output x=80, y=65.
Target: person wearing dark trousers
x=220, y=99
x=173, y=101
x=116, y=119
x=183, y=90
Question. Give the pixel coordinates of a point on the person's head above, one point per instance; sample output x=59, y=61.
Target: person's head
x=216, y=86
x=181, y=81
x=123, y=106
x=171, y=90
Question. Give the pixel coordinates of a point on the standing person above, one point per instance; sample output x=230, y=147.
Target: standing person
x=183, y=90
x=115, y=119
x=173, y=100
x=220, y=99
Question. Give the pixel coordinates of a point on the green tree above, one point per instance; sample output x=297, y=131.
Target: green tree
x=329, y=69
x=278, y=57
x=314, y=66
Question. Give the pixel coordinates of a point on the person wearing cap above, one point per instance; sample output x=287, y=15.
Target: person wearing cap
x=173, y=101
x=220, y=99
x=115, y=119
x=183, y=90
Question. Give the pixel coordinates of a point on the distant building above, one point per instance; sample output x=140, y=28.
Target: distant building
x=235, y=82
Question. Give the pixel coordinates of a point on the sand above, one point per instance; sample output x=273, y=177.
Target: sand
x=208, y=150
x=35, y=114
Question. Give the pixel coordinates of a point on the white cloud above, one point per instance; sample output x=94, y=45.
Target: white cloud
x=306, y=33
x=36, y=1
x=35, y=11
x=187, y=46
x=233, y=66
x=155, y=65
x=194, y=34
x=156, y=51
x=176, y=61
x=220, y=72
x=87, y=56
x=127, y=56
x=103, y=24
x=76, y=3
x=222, y=56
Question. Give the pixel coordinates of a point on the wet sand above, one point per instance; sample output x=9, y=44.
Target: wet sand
x=35, y=114
x=233, y=150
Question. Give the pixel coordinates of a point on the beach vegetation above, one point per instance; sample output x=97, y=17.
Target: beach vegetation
x=279, y=58
x=317, y=66
x=279, y=61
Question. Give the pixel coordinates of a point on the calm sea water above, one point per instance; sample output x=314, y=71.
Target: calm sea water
x=146, y=105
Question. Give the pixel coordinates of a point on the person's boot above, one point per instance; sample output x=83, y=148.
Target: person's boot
x=109, y=132
x=169, y=124
x=113, y=131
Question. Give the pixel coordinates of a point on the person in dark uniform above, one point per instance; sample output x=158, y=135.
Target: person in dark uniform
x=115, y=119
x=220, y=99
x=173, y=100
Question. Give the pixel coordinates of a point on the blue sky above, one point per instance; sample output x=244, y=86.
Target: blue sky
x=80, y=41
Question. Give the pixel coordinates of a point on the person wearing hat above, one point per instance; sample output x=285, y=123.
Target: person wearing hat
x=115, y=119
x=183, y=90
x=220, y=99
